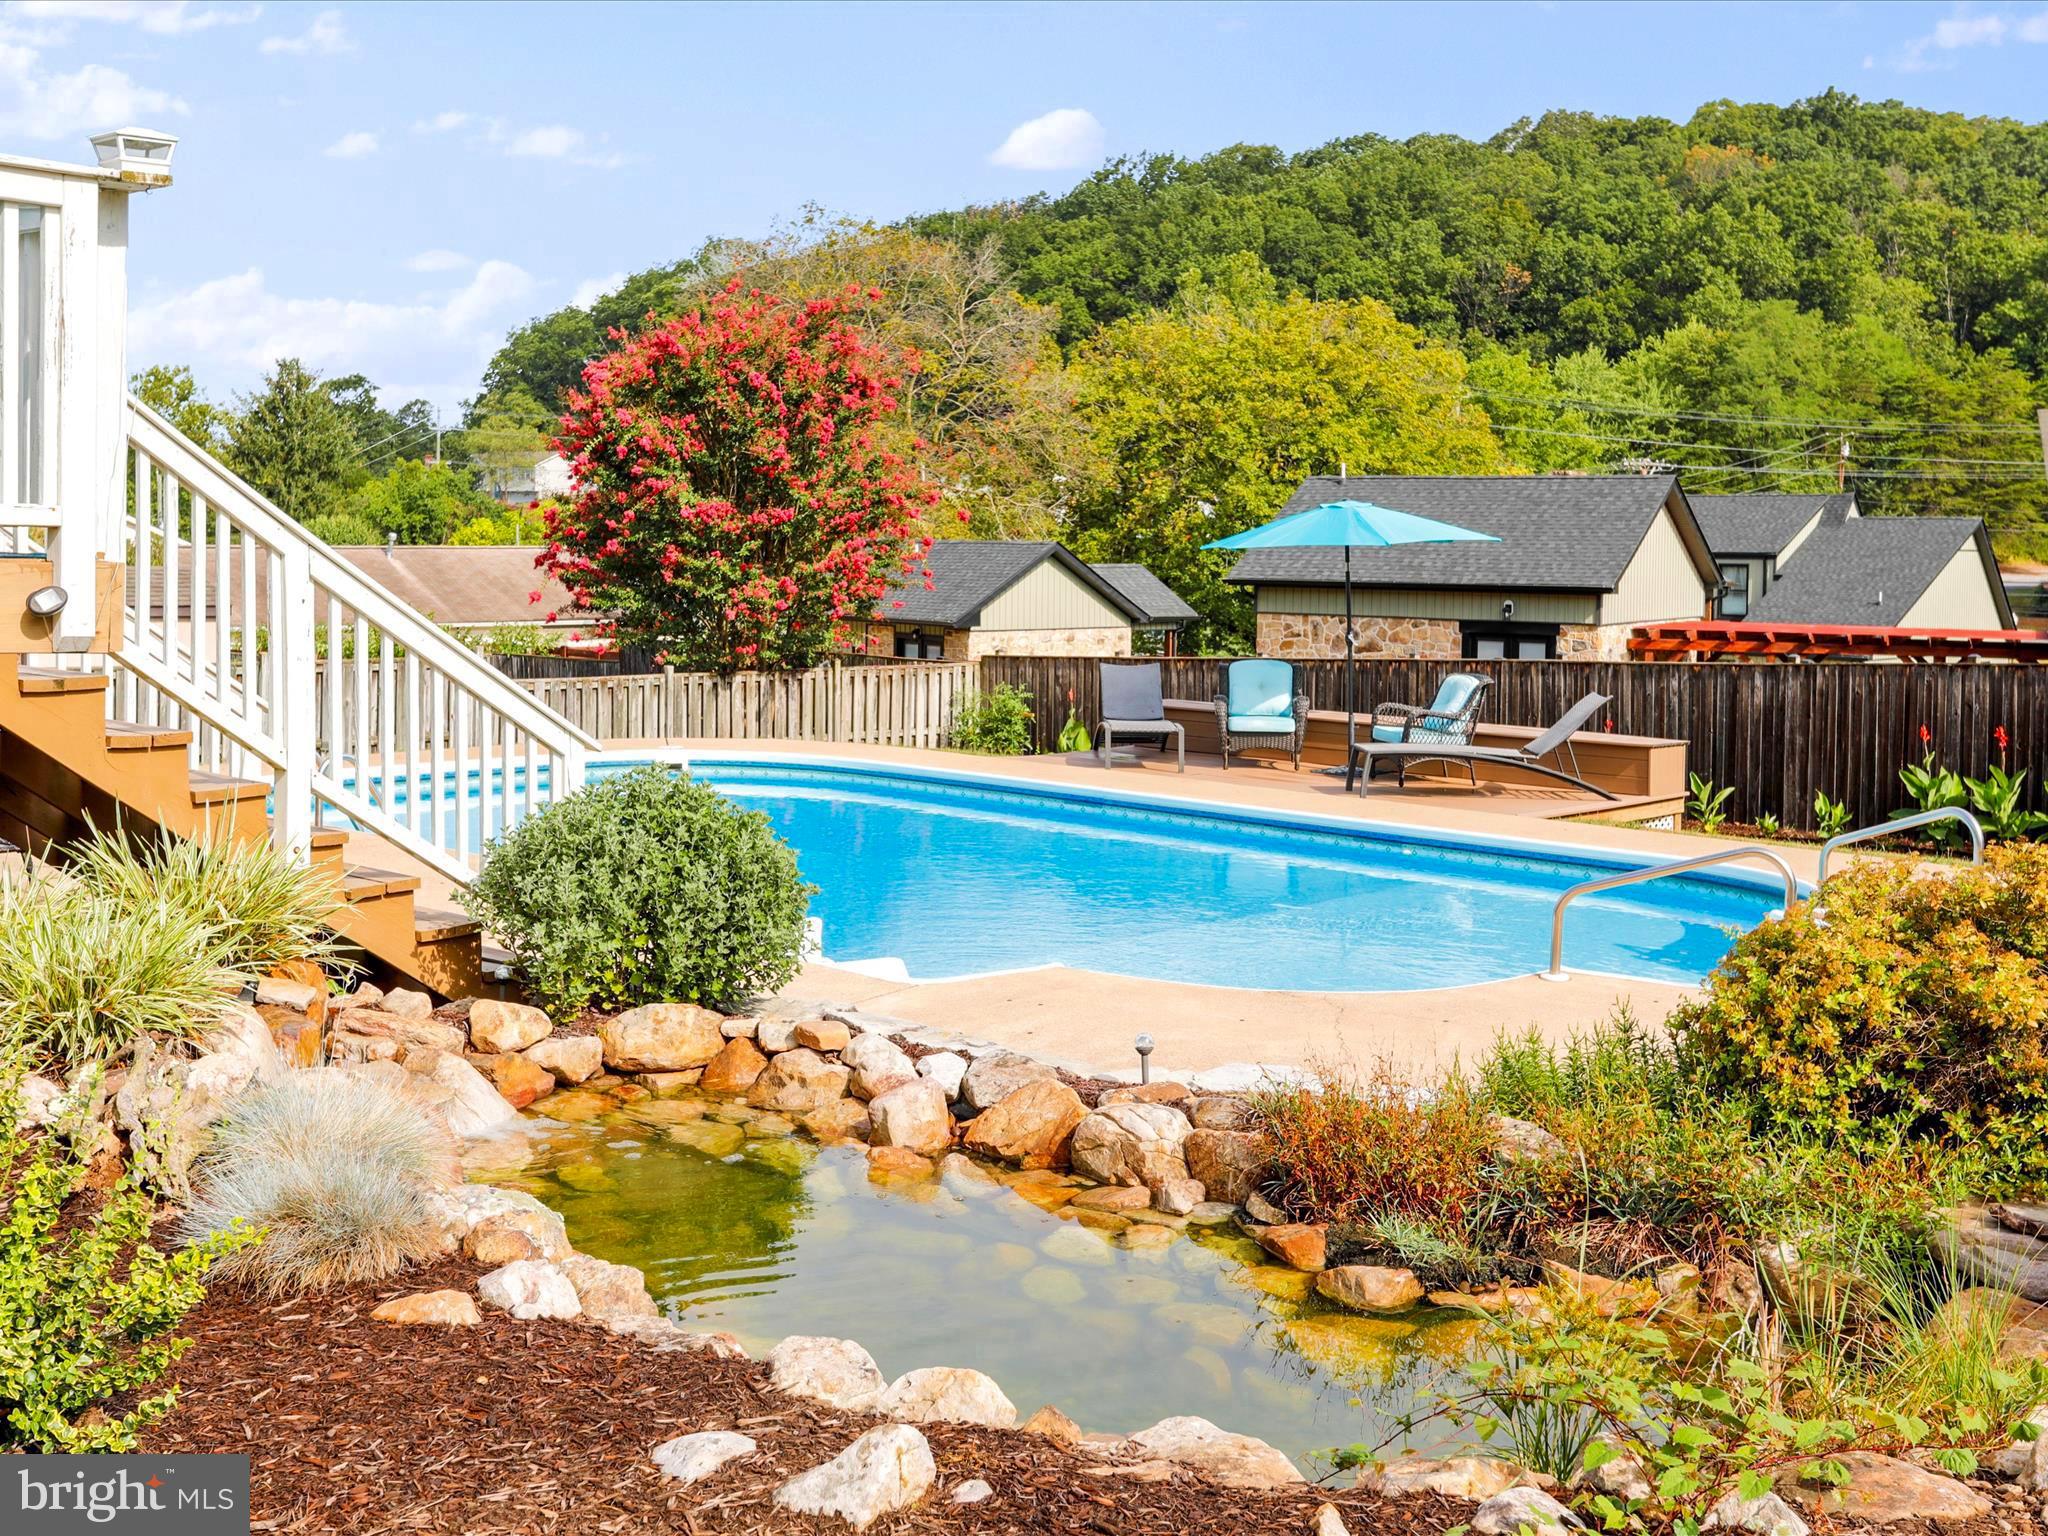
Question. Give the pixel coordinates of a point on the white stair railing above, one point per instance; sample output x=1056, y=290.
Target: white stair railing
x=290, y=665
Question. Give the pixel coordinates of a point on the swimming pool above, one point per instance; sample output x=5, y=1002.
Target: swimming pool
x=955, y=875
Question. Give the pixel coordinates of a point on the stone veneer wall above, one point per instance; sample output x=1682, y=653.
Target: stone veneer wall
x=1593, y=642
x=1106, y=641
x=1320, y=637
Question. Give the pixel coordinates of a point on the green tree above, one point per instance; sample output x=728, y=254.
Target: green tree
x=419, y=503
x=174, y=394
x=506, y=435
x=292, y=442
x=382, y=437
x=1204, y=417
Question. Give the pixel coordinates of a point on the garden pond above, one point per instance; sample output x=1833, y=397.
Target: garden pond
x=742, y=1227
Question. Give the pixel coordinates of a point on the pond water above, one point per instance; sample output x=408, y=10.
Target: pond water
x=760, y=1234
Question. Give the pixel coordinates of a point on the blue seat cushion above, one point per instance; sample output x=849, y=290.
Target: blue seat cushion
x=1261, y=688
x=1261, y=725
x=1456, y=692
x=1386, y=733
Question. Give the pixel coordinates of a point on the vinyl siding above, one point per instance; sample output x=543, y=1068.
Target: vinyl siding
x=1048, y=597
x=1433, y=603
x=1660, y=583
x=1959, y=598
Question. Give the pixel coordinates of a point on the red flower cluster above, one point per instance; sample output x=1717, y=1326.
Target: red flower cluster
x=733, y=508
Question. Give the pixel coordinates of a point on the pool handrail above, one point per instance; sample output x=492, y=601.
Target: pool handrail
x=1557, y=972
x=1902, y=824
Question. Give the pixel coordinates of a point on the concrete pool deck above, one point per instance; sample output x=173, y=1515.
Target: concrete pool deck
x=1088, y=1019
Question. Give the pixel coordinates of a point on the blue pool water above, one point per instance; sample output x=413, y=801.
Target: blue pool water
x=955, y=878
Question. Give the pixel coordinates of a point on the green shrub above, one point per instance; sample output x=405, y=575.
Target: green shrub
x=335, y=1173
x=997, y=722
x=263, y=906
x=82, y=973
x=1894, y=1004
x=344, y=528
x=86, y=1305
x=645, y=887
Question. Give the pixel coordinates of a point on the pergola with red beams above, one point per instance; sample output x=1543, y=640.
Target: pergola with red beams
x=1680, y=642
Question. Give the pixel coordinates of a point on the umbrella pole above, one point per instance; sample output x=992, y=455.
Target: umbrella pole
x=1350, y=669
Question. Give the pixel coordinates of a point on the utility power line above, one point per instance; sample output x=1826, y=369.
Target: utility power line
x=2026, y=465
x=1989, y=427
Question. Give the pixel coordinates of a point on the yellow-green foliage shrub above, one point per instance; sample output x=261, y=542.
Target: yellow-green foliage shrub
x=1896, y=1003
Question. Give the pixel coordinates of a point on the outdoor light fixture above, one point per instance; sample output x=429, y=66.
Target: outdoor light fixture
x=140, y=156
x=47, y=602
x=1144, y=1045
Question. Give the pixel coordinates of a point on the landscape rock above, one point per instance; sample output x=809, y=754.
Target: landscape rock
x=973, y=1491
x=1235, y=1461
x=1131, y=1144
x=1228, y=1163
x=442, y=1082
x=541, y=1227
x=446, y=1309
x=284, y=992
x=1328, y=1522
x=41, y=1102
x=878, y=1064
x=1177, y=1197
x=666, y=1337
x=1220, y=1112
x=946, y=1068
x=738, y=1028
x=912, y=1114
x=692, y=1458
x=499, y=1245
x=407, y=1031
x=519, y=1081
x=1113, y=1197
x=736, y=1068
x=1297, y=1244
x=945, y=1394
x=775, y=1035
x=367, y=994
x=1522, y=1140
x=990, y=1079
x=1622, y=1476
x=838, y=1121
x=500, y=1026
x=1262, y=1211
x=607, y=1292
x=1989, y=1251
x=2016, y=1216
x=1031, y=1127
x=241, y=1034
x=528, y=1289
x=885, y=1470
x=822, y=1035
x=661, y=1037
x=2026, y=1461
x=1883, y=1489
x=1610, y=1297
x=408, y=1002
x=1369, y=1288
x=836, y=1372
x=668, y=1082
x=887, y=1163
x=571, y=1059
x=1164, y=1091
x=1765, y=1515
x=1053, y=1425
x=1459, y=1477
x=798, y=1082
x=1519, y=1509
x=459, y=1209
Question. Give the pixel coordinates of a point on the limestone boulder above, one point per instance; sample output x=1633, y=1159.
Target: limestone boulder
x=1460, y=1477
x=974, y=1491
x=439, y=1309
x=836, y=1372
x=446, y=1085
x=518, y=1080
x=1516, y=1141
x=458, y=1209
x=946, y=1068
x=240, y=1033
x=1053, y=1425
x=408, y=1002
x=840, y=1120
x=692, y=1458
x=1369, y=1288
x=912, y=1114
x=1220, y=1112
x=1163, y=1091
x=885, y=1470
x=737, y=1066
x=570, y=1059
x=775, y=1035
x=608, y=1292
x=822, y=1035
x=41, y=1102
x=1235, y=1461
x=946, y=1394
x=1033, y=1127
x=289, y=992
x=407, y=1032
x=2026, y=1461
x=528, y=1289
x=540, y=1226
x=1765, y=1515
x=661, y=1037
x=1989, y=1251
x=502, y=1026
x=1229, y=1163
x=992, y=1078
x=878, y=1064
x=1178, y=1197
x=1882, y=1490
x=1517, y=1510
x=798, y=1082
x=1297, y=1244
x=1131, y=1143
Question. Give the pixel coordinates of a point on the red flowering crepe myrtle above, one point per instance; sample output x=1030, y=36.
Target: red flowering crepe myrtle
x=733, y=507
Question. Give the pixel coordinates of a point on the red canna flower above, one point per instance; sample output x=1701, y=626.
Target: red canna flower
x=1998, y=735
x=1926, y=737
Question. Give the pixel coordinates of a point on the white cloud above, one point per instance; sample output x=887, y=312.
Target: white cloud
x=551, y=143
x=37, y=102
x=1970, y=29
x=240, y=324
x=325, y=35
x=438, y=261
x=440, y=122
x=1062, y=140
x=591, y=289
x=352, y=146
x=544, y=141
x=163, y=17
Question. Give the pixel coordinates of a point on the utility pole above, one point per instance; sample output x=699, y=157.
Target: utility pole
x=1842, y=466
x=2041, y=416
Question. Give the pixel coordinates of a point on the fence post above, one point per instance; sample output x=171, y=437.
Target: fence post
x=670, y=715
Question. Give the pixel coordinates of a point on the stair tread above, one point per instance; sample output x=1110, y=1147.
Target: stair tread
x=389, y=880
x=57, y=680
x=434, y=923
x=218, y=786
x=127, y=735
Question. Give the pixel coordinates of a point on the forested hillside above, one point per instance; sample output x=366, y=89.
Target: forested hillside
x=1766, y=296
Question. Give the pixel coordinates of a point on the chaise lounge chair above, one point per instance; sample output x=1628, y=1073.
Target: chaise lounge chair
x=1134, y=703
x=1449, y=718
x=1528, y=758
x=1259, y=708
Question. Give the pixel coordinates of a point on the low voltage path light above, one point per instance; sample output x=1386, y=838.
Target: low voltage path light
x=1144, y=1045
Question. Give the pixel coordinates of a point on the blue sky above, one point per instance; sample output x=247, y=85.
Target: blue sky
x=389, y=188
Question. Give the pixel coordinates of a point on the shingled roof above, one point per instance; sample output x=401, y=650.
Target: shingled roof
x=969, y=574
x=1871, y=570
x=1560, y=533
x=1161, y=604
x=1760, y=523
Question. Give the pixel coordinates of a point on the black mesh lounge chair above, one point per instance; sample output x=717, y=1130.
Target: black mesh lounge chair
x=1134, y=704
x=1365, y=754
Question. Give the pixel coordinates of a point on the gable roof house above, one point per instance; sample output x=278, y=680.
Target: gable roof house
x=1010, y=597
x=1582, y=560
x=1816, y=560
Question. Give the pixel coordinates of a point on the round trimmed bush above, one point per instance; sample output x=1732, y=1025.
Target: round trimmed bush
x=645, y=888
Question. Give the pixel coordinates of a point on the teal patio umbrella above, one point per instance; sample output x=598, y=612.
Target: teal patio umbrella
x=1349, y=525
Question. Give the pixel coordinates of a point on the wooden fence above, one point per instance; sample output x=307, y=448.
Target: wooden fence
x=1778, y=733
x=906, y=705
